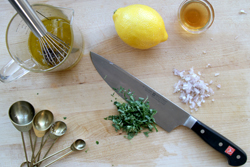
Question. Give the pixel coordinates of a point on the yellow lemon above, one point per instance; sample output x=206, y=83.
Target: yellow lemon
x=140, y=26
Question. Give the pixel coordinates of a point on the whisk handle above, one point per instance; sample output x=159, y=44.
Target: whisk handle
x=24, y=9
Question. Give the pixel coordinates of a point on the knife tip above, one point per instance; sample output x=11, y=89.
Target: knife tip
x=91, y=54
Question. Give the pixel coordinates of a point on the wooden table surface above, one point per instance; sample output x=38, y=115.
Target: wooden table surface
x=82, y=96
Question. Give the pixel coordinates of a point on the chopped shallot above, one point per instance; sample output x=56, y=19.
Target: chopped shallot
x=211, y=82
x=216, y=74
x=242, y=12
x=208, y=65
x=193, y=90
x=219, y=86
x=212, y=99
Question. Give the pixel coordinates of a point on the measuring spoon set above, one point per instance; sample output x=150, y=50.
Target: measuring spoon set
x=22, y=115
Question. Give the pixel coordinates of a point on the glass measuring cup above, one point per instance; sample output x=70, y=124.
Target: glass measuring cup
x=17, y=42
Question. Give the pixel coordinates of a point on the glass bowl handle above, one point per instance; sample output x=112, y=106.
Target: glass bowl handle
x=11, y=72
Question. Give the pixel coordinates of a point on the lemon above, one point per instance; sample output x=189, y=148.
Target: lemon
x=140, y=26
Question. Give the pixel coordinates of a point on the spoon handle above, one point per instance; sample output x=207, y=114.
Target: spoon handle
x=51, y=155
x=48, y=150
x=59, y=158
x=41, y=147
x=34, y=148
x=31, y=143
x=24, y=148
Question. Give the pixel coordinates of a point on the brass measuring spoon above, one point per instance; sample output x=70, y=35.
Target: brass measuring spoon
x=78, y=145
x=57, y=129
x=21, y=114
x=41, y=123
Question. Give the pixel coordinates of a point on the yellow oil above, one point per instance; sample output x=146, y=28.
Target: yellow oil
x=57, y=26
x=195, y=15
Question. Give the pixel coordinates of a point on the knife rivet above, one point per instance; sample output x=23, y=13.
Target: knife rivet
x=220, y=144
x=238, y=157
x=202, y=131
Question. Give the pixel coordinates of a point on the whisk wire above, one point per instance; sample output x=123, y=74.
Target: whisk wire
x=51, y=48
x=45, y=52
x=54, y=49
x=58, y=45
x=59, y=40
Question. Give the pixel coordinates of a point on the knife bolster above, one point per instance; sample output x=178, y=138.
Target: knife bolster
x=190, y=122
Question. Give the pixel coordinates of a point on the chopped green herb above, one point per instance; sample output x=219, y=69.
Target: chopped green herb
x=134, y=116
x=86, y=150
x=64, y=118
x=122, y=90
x=113, y=94
x=146, y=133
x=105, y=77
x=37, y=94
x=97, y=142
x=111, y=100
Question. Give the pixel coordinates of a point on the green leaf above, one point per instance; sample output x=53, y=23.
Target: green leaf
x=133, y=116
x=146, y=133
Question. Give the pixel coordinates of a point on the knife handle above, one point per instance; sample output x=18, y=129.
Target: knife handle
x=235, y=155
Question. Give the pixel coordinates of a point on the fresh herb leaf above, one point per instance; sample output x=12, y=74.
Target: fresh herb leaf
x=121, y=90
x=86, y=150
x=105, y=77
x=97, y=142
x=64, y=118
x=134, y=116
x=146, y=133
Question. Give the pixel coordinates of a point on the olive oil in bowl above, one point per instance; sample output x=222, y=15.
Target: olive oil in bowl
x=196, y=16
x=57, y=26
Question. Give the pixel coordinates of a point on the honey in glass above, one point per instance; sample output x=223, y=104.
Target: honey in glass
x=195, y=15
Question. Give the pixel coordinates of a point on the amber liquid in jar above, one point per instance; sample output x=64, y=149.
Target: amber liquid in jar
x=195, y=15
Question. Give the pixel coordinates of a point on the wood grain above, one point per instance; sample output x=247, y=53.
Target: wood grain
x=84, y=98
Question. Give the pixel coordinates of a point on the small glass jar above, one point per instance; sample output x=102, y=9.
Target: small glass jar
x=195, y=16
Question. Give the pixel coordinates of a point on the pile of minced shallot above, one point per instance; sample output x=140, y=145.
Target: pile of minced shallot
x=193, y=90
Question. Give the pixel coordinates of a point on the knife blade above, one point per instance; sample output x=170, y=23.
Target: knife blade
x=169, y=115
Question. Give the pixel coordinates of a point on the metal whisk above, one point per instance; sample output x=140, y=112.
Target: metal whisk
x=54, y=50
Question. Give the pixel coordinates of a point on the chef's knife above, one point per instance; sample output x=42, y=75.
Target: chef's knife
x=169, y=115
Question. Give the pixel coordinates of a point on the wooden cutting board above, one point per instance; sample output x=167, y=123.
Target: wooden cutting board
x=84, y=98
